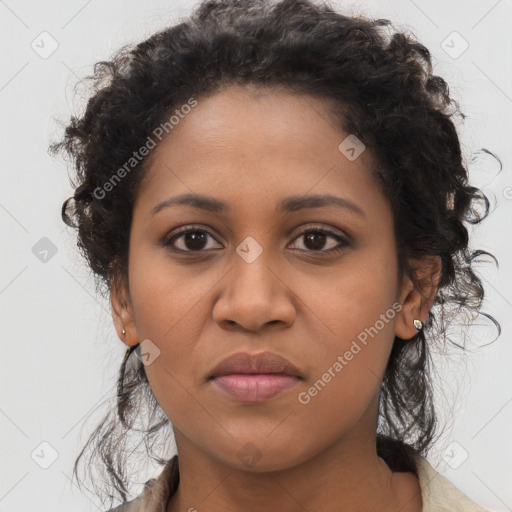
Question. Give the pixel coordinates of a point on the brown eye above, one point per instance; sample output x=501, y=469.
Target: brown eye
x=315, y=240
x=195, y=240
x=190, y=240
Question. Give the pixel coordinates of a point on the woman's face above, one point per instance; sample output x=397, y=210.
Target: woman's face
x=257, y=278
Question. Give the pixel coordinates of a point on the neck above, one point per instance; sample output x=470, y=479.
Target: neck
x=348, y=476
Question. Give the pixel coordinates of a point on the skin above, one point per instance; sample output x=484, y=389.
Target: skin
x=252, y=147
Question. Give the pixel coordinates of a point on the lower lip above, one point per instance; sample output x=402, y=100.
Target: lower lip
x=255, y=387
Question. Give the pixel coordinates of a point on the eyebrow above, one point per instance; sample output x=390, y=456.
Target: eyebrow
x=288, y=204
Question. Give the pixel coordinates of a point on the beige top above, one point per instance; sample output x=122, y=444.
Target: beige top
x=437, y=492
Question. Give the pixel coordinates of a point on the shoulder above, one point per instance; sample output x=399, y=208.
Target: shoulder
x=156, y=492
x=129, y=506
x=138, y=504
x=439, y=494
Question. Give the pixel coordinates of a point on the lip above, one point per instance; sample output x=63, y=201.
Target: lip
x=254, y=387
x=264, y=362
x=254, y=377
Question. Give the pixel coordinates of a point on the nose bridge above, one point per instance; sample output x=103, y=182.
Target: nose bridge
x=253, y=296
x=251, y=277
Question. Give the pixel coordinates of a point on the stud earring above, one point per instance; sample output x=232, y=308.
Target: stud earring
x=418, y=324
x=124, y=332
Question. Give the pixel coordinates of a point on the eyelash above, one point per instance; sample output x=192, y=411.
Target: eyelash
x=169, y=240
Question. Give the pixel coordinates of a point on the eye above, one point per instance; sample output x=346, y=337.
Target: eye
x=315, y=240
x=189, y=240
x=197, y=240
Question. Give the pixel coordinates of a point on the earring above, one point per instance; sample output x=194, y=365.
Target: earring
x=418, y=324
x=124, y=332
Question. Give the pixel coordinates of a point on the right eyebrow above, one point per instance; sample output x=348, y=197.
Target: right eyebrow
x=195, y=200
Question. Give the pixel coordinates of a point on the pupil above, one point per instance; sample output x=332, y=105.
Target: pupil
x=320, y=240
x=197, y=239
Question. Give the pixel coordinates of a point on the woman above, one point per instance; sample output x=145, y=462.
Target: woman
x=273, y=197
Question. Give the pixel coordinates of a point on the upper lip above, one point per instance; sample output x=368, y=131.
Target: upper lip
x=264, y=362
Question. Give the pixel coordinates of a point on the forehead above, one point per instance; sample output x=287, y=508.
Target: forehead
x=244, y=141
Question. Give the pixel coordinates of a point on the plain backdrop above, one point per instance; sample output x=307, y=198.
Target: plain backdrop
x=59, y=351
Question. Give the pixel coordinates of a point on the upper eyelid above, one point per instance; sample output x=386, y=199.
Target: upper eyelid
x=187, y=229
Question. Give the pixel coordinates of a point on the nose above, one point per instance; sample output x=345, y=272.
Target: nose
x=254, y=296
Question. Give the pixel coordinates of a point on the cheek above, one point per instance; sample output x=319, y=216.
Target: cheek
x=359, y=309
x=171, y=308
x=350, y=369
x=164, y=296
x=344, y=390
x=357, y=303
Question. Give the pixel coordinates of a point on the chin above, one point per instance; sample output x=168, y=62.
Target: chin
x=263, y=457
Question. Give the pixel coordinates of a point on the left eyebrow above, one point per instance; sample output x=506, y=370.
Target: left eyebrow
x=288, y=204
x=294, y=203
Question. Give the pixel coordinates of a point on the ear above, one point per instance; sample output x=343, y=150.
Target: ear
x=122, y=311
x=417, y=301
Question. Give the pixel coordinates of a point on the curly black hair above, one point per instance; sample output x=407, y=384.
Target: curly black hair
x=380, y=84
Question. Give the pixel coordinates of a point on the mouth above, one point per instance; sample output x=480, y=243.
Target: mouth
x=255, y=387
x=254, y=378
